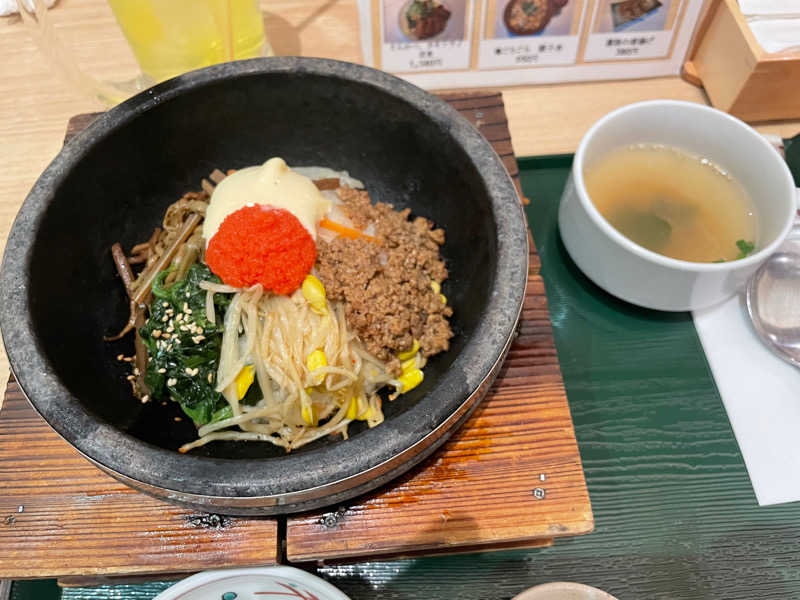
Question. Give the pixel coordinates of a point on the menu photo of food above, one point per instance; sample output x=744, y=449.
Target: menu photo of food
x=424, y=20
x=519, y=34
x=516, y=18
x=616, y=16
x=628, y=12
x=424, y=35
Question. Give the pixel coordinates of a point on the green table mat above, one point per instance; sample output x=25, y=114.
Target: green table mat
x=675, y=513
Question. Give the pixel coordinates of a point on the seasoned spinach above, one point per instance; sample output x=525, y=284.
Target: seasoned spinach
x=184, y=346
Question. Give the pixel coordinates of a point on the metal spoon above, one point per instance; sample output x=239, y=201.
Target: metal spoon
x=773, y=292
x=773, y=301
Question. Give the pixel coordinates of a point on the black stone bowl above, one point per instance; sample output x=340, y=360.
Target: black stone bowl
x=112, y=183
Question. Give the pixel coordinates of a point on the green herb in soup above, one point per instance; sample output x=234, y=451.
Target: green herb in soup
x=745, y=248
x=674, y=203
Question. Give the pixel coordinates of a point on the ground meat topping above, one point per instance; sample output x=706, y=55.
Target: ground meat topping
x=386, y=287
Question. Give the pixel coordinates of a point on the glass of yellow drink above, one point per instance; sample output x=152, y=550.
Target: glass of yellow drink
x=170, y=37
x=165, y=37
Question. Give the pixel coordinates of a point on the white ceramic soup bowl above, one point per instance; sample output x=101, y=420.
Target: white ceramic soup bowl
x=640, y=276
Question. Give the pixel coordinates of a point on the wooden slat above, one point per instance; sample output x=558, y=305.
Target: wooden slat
x=482, y=489
x=477, y=493
x=78, y=123
x=59, y=515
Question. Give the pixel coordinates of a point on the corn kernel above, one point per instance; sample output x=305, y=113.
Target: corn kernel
x=316, y=359
x=359, y=409
x=409, y=353
x=352, y=409
x=443, y=298
x=244, y=380
x=411, y=380
x=409, y=365
x=314, y=293
x=364, y=410
x=435, y=286
x=309, y=414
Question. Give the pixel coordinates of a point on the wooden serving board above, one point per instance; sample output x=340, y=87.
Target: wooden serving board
x=510, y=478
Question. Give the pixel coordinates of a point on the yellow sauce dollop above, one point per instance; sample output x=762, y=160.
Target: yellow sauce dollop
x=273, y=184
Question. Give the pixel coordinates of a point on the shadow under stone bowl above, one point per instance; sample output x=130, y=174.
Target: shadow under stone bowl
x=112, y=183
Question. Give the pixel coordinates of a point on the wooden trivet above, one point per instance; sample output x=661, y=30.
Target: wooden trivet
x=510, y=478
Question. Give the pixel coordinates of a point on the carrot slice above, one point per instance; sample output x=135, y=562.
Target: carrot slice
x=345, y=231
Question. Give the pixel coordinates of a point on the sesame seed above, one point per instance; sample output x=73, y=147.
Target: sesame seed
x=130, y=378
x=199, y=330
x=145, y=399
x=186, y=308
x=170, y=329
x=120, y=357
x=171, y=381
x=166, y=335
x=184, y=328
x=135, y=371
x=187, y=294
x=157, y=333
x=179, y=318
x=169, y=348
x=188, y=371
x=210, y=377
x=165, y=304
x=164, y=319
x=178, y=419
x=162, y=370
x=177, y=340
x=127, y=358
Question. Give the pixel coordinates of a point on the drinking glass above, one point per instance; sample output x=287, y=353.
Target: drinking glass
x=165, y=37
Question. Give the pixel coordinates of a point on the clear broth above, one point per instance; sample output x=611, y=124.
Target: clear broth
x=673, y=203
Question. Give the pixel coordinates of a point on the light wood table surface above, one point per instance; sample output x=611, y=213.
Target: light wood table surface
x=35, y=103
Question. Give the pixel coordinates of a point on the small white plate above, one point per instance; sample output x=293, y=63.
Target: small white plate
x=275, y=583
x=561, y=590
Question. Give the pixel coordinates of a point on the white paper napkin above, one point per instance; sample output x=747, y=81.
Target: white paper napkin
x=774, y=23
x=777, y=35
x=769, y=7
x=761, y=394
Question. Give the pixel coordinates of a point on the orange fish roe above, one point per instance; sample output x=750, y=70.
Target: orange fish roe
x=262, y=244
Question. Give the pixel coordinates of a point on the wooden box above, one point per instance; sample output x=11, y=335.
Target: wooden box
x=738, y=75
